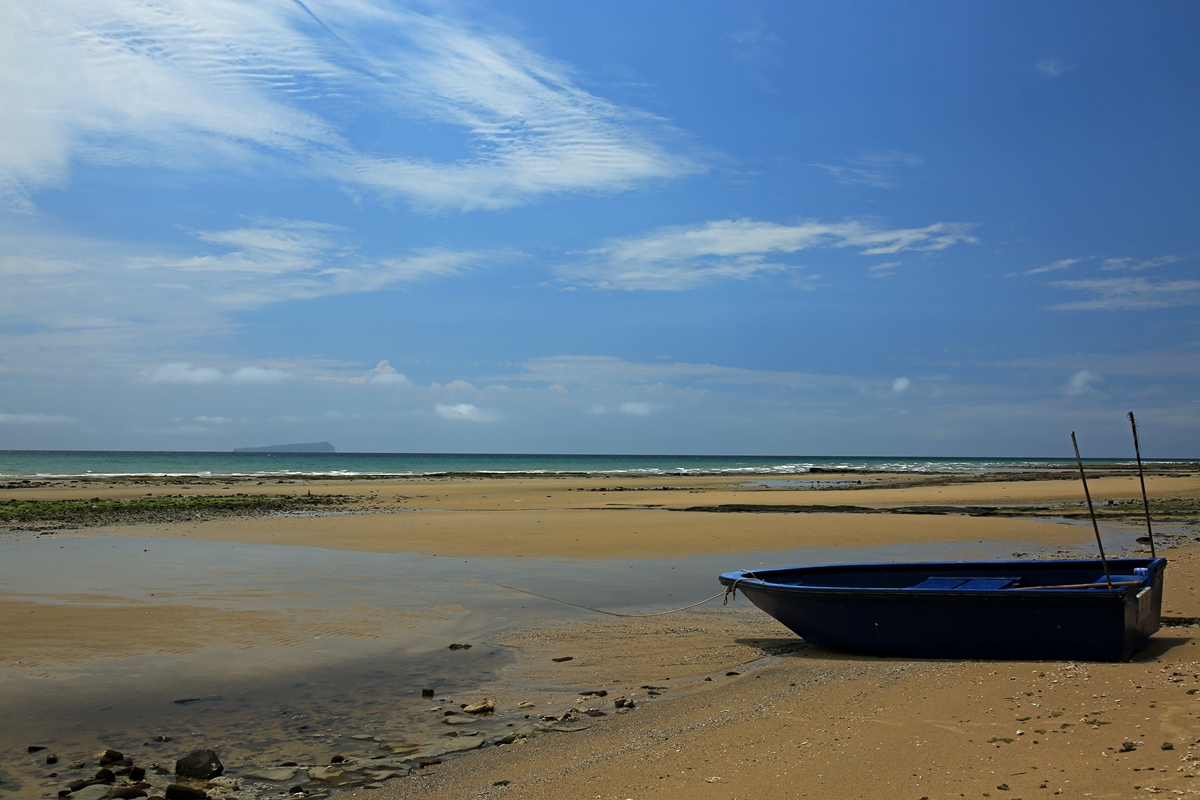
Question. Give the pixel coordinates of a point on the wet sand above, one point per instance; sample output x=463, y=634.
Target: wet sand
x=795, y=721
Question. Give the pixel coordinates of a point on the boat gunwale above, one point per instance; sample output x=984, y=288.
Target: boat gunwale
x=747, y=579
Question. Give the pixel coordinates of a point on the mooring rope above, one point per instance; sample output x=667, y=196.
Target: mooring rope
x=610, y=613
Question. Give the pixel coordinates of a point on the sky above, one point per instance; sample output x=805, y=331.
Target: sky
x=864, y=228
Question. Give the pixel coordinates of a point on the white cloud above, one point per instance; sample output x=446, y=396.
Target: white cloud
x=35, y=419
x=1052, y=267
x=1133, y=265
x=901, y=385
x=237, y=85
x=76, y=294
x=872, y=169
x=464, y=411
x=180, y=373
x=184, y=374
x=1130, y=294
x=259, y=375
x=609, y=372
x=213, y=420
x=683, y=257
x=884, y=270
x=1081, y=382
x=1053, y=67
x=284, y=259
x=641, y=409
x=385, y=374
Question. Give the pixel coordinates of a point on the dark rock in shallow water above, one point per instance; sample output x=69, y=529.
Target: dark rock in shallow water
x=105, y=776
x=33, y=748
x=52, y=758
x=427, y=693
x=201, y=765
x=177, y=792
x=337, y=759
x=564, y=658
x=109, y=756
x=137, y=774
x=127, y=793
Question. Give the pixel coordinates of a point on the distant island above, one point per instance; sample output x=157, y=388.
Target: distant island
x=315, y=447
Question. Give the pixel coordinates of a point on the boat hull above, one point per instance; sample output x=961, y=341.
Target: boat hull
x=909, y=610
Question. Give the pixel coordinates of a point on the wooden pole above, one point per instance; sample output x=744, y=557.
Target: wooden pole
x=1142, y=476
x=1092, y=511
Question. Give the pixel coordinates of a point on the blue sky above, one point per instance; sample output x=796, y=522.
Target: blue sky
x=836, y=228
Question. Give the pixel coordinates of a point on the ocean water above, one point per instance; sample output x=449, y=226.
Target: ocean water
x=96, y=463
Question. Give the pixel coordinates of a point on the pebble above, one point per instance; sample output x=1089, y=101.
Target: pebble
x=562, y=659
x=482, y=707
x=127, y=793
x=177, y=792
x=52, y=758
x=457, y=646
x=427, y=693
x=225, y=783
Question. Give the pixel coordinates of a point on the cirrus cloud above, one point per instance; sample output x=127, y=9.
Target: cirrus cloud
x=684, y=257
x=235, y=85
x=35, y=419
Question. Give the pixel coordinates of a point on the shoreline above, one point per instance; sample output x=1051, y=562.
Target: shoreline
x=585, y=521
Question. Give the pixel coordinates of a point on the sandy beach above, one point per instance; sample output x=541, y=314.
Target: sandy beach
x=793, y=721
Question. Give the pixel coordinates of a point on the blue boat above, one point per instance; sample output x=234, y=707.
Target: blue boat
x=1011, y=610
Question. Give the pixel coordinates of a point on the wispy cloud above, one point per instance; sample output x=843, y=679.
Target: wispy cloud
x=1129, y=294
x=1081, y=382
x=872, y=169
x=183, y=374
x=35, y=419
x=1051, y=267
x=237, y=84
x=275, y=260
x=901, y=385
x=464, y=412
x=613, y=372
x=884, y=270
x=684, y=257
x=641, y=409
x=68, y=291
x=1134, y=265
x=1054, y=68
